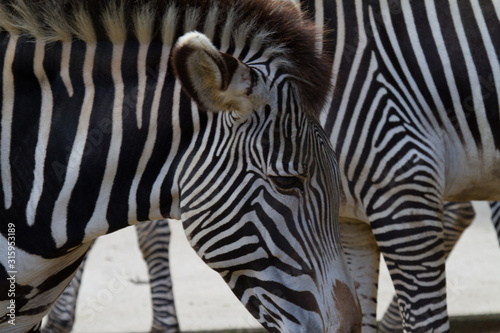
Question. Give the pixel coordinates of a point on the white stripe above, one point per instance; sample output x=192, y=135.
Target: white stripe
x=337, y=59
x=355, y=117
x=366, y=119
x=98, y=224
x=278, y=127
x=155, y=212
x=152, y=133
x=488, y=44
x=47, y=105
x=227, y=248
x=59, y=216
x=319, y=13
x=65, y=57
x=7, y=110
x=200, y=150
x=227, y=31
x=480, y=112
x=496, y=4
x=209, y=27
x=141, y=69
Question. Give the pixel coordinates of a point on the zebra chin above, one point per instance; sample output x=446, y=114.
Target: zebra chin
x=288, y=300
x=285, y=289
x=279, y=311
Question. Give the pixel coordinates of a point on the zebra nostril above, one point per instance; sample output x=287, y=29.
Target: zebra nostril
x=288, y=183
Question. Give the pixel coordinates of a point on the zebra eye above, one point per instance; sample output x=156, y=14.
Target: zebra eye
x=288, y=183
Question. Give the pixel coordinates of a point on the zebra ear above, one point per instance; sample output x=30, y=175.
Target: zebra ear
x=216, y=81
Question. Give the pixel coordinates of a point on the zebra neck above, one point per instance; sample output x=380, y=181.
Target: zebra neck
x=94, y=131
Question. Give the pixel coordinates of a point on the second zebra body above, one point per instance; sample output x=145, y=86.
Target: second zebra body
x=415, y=121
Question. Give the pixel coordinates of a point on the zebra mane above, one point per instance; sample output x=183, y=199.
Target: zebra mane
x=274, y=25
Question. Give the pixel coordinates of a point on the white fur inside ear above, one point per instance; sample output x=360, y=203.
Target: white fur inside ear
x=216, y=81
x=244, y=93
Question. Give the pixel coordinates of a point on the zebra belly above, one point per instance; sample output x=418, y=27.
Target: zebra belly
x=473, y=178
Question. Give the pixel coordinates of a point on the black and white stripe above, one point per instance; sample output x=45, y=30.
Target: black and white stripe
x=154, y=241
x=495, y=216
x=457, y=217
x=97, y=134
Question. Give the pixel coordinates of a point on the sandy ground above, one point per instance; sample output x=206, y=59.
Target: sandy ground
x=115, y=295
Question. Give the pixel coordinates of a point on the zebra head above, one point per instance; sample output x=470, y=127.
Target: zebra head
x=110, y=141
x=260, y=203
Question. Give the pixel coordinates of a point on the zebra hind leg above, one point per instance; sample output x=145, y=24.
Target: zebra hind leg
x=154, y=240
x=495, y=216
x=62, y=316
x=457, y=217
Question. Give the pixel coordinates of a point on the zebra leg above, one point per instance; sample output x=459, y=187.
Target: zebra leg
x=412, y=243
x=154, y=239
x=495, y=216
x=363, y=258
x=62, y=316
x=457, y=217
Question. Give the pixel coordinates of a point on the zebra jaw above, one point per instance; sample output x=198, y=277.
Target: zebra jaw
x=216, y=81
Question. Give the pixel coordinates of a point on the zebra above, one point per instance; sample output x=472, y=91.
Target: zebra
x=116, y=112
x=414, y=121
x=457, y=216
x=154, y=240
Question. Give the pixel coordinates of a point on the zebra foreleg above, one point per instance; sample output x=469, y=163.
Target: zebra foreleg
x=363, y=258
x=411, y=240
x=154, y=240
x=457, y=217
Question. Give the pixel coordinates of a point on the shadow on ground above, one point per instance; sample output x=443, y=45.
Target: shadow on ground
x=459, y=324
x=476, y=324
x=462, y=324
